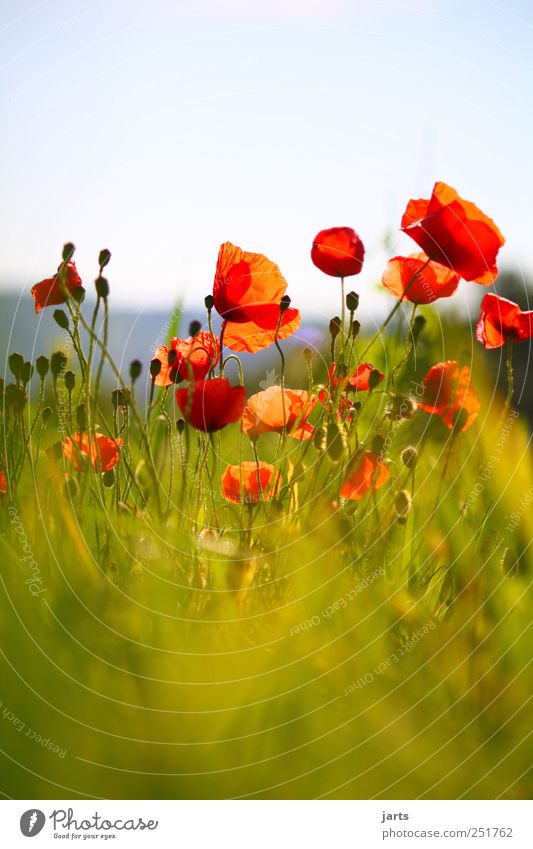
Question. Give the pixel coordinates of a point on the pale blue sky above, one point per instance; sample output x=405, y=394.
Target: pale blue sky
x=161, y=129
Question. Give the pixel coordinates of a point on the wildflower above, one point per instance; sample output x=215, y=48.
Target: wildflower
x=276, y=409
x=455, y=233
x=370, y=472
x=50, y=292
x=501, y=321
x=448, y=394
x=410, y=278
x=104, y=452
x=3, y=482
x=365, y=376
x=247, y=292
x=259, y=482
x=338, y=252
x=210, y=405
x=192, y=360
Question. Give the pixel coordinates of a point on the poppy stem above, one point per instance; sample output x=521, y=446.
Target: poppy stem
x=343, y=312
x=222, y=331
x=510, y=380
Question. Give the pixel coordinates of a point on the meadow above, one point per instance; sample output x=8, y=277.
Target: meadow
x=317, y=589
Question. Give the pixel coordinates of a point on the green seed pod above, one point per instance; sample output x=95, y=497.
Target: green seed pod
x=418, y=325
x=135, y=370
x=352, y=301
x=70, y=488
x=155, y=368
x=409, y=457
x=378, y=444
x=320, y=438
x=102, y=287
x=284, y=304
x=209, y=302
x=180, y=425
x=108, y=478
x=70, y=380
x=26, y=373
x=401, y=407
x=103, y=258
x=68, y=251
x=46, y=414
x=308, y=354
x=356, y=327
x=81, y=417
x=79, y=294
x=336, y=441
x=334, y=327
x=15, y=362
x=120, y=398
x=58, y=362
x=402, y=505
x=42, y=364
x=61, y=319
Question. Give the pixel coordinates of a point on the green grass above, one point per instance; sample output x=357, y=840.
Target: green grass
x=301, y=650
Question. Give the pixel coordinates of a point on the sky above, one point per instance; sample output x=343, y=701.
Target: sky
x=161, y=129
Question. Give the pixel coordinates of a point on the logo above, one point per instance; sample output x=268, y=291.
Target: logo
x=32, y=822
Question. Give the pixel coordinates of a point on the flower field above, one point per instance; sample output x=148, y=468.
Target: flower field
x=319, y=588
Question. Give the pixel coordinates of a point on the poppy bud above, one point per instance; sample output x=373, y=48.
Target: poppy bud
x=58, y=362
x=81, y=417
x=70, y=488
x=180, y=425
x=352, y=301
x=70, y=380
x=374, y=378
x=194, y=328
x=308, y=354
x=336, y=441
x=402, y=505
x=155, y=368
x=68, y=252
x=378, y=444
x=418, y=325
x=401, y=407
x=16, y=362
x=60, y=318
x=209, y=302
x=135, y=369
x=79, y=294
x=335, y=326
x=284, y=304
x=42, y=365
x=120, y=398
x=15, y=396
x=102, y=287
x=355, y=328
x=320, y=438
x=103, y=258
x=46, y=414
x=108, y=478
x=26, y=373
x=409, y=457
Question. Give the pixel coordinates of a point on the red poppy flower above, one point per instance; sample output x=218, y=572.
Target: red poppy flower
x=338, y=252
x=369, y=473
x=3, y=481
x=213, y=405
x=501, y=321
x=447, y=391
x=272, y=410
x=359, y=380
x=247, y=292
x=49, y=293
x=104, y=451
x=407, y=278
x=455, y=233
x=193, y=358
x=259, y=482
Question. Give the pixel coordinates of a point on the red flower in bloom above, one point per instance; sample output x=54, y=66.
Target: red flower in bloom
x=192, y=359
x=273, y=410
x=49, y=293
x=103, y=451
x=501, y=321
x=247, y=292
x=407, y=278
x=369, y=473
x=338, y=252
x=359, y=380
x=259, y=482
x=447, y=391
x=213, y=403
x=455, y=233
